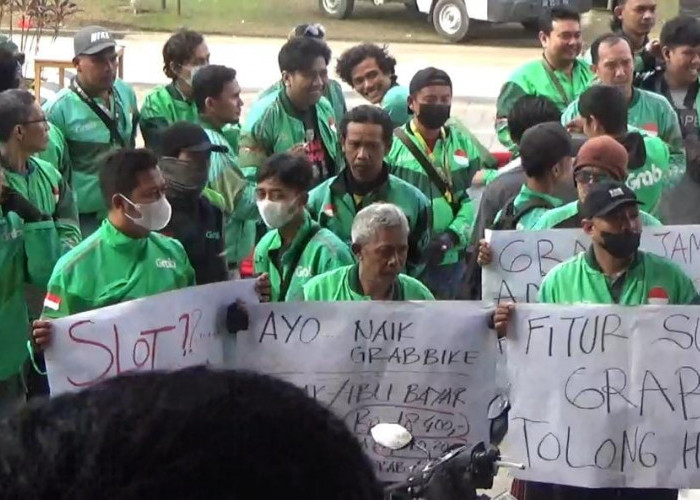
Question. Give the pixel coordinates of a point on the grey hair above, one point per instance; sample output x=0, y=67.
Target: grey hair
x=374, y=217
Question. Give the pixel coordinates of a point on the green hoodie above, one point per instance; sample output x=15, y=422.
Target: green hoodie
x=128, y=269
x=343, y=284
x=43, y=186
x=333, y=92
x=88, y=139
x=323, y=252
x=334, y=206
x=238, y=194
x=580, y=280
x=276, y=127
x=653, y=114
x=463, y=155
x=537, y=78
x=163, y=106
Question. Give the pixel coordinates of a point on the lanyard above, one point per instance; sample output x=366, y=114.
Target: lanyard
x=110, y=122
x=555, y=80
x=442, y=167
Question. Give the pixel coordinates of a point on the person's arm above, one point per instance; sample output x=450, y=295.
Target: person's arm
x=461, y=225
x=237, y=192
x=419, y=237
x=253, y=150
x=66, y=218
x=509, y=95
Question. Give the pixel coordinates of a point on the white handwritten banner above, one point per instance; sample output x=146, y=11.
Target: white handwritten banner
x=521, y=259
x=428, y=366
x=164, y=332
x=606, y=396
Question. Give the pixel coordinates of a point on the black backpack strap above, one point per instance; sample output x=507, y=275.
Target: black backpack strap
x=109, y=122
x=287, y=281
x=510, y=216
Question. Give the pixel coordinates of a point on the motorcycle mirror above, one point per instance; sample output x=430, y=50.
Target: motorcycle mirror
x=392, y=436
x=498, y=416
x=498, y=406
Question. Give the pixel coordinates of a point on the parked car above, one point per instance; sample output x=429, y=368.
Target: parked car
x=451, y=18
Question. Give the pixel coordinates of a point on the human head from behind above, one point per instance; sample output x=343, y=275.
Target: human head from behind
x=11, y=61
x=303, y=62
x=546, y=156
x=195, y=433
x=23, y=128
x=95, y=59
x=217, y=94
x=528, y=111
x=600, y=159
x=184, y=54
x=613, y=62
x=430, y=98
x=635, y=18
x=610, y=214
x=186, y=152
x=604, y=111
x=680, y=46
x=380, y=242
x=283, y=188
x=369, y=69
x=560, y=36
x=133, y=188
x=366, y=133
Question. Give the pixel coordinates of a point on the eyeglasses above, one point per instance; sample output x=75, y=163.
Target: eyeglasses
x=586, y=177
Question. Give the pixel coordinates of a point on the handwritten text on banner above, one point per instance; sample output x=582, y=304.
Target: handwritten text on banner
x=606, y=396
x=521, y=259
x=429, y=367
x=164, y=332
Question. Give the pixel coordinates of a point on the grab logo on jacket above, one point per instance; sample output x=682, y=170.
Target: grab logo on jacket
x=645, y=178
x=658, y=296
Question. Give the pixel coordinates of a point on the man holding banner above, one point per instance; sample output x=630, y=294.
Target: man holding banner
x=612, y=271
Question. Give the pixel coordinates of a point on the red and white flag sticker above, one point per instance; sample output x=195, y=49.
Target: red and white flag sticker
x=658, y=296
x=52, y=302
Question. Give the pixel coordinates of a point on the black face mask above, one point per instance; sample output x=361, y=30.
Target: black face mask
x=433, y=116
x=621, y=245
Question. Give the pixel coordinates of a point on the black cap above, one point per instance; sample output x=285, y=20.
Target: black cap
x=187, y=136
x=92, y=40
x=544, y=145
x=427, y=77
x=604, y=197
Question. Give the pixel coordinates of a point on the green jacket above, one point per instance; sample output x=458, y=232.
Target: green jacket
x=651, y=113
x=537, y=78
x=648, y=169
x=343, y=284
x=232, y=132
x=395, y=102
x=44, y=187
x=461, y=153
x=14, y=322
x=55, y=154
x=580, y=280
x=528, y=221
x=334, y=207
x=334, y=94
x=163, y=106
x=88, y=138
x=128, y=269
x=322, y=253
x=275, y=127
x=558, y=218
x=240, y=206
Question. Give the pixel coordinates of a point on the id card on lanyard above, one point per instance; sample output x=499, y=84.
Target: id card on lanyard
x=441, y=167
x=112, y=123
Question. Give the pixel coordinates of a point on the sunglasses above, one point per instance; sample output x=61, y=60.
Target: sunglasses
x=586, y=177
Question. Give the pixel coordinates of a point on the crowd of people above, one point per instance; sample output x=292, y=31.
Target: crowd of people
x=322, y=203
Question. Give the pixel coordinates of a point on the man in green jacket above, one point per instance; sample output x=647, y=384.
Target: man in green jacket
x=296, y=248
x=442, y=159
x=604, y=111
x=332, y=89
x=613, y=65
x=184, y=54
x=559, y=75
x=298, y=119
x=97, y=114
x=380, y=243
x=366, y=134
x=371, y=71
x=218, y=98
x=23, y=133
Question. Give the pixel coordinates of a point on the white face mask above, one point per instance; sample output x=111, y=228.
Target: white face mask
x=275, y=214
x=154, y=216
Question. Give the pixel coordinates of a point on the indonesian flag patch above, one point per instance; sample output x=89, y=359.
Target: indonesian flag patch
x=652, y=128
x=329, y=210
x=52, y=302
x=331, y=123
x=461, y=158
x=56, y=193
x=658, y=296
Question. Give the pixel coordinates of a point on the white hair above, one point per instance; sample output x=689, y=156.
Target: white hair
x=377, y=216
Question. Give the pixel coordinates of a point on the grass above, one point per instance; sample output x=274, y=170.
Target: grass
x=258, y=18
